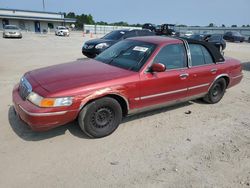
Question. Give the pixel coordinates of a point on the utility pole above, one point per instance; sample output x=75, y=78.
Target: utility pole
x=43, y=5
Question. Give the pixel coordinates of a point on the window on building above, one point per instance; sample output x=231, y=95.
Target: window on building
x=50, y=25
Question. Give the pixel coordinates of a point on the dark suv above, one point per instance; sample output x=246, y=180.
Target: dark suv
x=94, y=47
x=149, y=26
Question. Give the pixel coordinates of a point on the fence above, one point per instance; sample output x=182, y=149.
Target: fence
x=104, y=29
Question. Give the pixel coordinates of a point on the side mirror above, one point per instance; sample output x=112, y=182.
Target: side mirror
x=158, y=67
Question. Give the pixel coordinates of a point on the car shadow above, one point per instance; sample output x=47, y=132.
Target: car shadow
x=24, y=132
x=246, y=66
x=156, y=111
x=82, y=59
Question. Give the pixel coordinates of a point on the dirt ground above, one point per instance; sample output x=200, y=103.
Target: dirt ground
x=165, y=148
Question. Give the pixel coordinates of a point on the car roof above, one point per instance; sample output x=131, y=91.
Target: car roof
x=157, y=39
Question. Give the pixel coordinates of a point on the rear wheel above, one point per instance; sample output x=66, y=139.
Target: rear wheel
x=100, y=118
x=216, y=92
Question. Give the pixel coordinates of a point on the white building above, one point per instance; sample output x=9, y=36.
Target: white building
x=34, y=21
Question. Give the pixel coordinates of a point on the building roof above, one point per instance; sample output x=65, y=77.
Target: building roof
x=34, y=15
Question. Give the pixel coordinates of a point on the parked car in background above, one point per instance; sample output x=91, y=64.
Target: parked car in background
x=234, y=36
x=132, y=76
x=166, y=29
x=62, y=31
x=149, y=26
x=217, y=40
x=249, y=39
x=12, y=31
x=188, y=34
x=94, y=47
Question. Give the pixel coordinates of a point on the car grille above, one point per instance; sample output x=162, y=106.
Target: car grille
x=24, y=88
x=86, y=46
x=12, y=32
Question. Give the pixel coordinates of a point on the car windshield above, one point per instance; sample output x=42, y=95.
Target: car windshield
x=127, y=54
x=61, y=27
x=236, y=34
x=114, y=35
x=11, y=27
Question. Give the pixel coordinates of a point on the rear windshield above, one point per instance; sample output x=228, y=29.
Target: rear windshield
x=11, y=27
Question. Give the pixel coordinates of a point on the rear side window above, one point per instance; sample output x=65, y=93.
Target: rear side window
x=172, y=56
x=200, y=55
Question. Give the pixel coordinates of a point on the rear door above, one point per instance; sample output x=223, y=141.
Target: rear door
x=171, y=85
x=203, y=70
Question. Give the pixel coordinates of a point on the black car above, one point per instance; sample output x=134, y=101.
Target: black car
x=166, y=29
x=217, y=40
x=249, y=39
x=197, y=37
x=149, y=26
x=234, y=36
x=94, y=47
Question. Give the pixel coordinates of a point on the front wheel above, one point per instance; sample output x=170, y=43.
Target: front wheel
x=101, y=117
x=216, y=92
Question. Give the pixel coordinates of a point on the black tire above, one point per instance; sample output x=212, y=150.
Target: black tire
x=216, y=92
x=101, y=117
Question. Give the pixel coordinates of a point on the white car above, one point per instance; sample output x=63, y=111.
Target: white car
x=188, y=33
x=12, y=31
x=62, y=31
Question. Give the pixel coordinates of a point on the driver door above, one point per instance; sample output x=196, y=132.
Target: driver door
x=168, y=86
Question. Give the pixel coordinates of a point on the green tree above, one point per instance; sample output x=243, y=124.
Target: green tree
x=234, y=26
x=211, y=25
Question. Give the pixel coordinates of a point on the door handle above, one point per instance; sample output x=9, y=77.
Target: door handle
x=213, y=70
x=185, y=75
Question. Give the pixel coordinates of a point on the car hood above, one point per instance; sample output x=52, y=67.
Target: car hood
x=79, y=74
x=11, y=30
x=98, y=41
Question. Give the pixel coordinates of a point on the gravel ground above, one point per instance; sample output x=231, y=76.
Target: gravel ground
x=210, y=147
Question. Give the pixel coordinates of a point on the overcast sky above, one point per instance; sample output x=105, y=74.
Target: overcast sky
x=191, y=12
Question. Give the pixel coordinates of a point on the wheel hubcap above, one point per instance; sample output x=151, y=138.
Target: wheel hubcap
x=216, y=91
x=102, y=117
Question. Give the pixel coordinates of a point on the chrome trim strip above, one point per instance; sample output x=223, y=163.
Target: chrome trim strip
x=124, y=98
x=169, y=103
x=217, y=77
x=165, y=93
x=171, y=92
x=235, y=77
x=198, y=86
x=43, y=114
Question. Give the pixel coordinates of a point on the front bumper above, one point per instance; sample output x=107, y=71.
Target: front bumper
x=91, y=52
x=41, y=119
x=16, y=35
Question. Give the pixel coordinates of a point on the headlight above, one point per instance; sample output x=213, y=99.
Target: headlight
x=102, y=45
x=49, y=102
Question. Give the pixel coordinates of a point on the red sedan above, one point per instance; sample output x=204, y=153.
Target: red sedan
x=133, y=75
